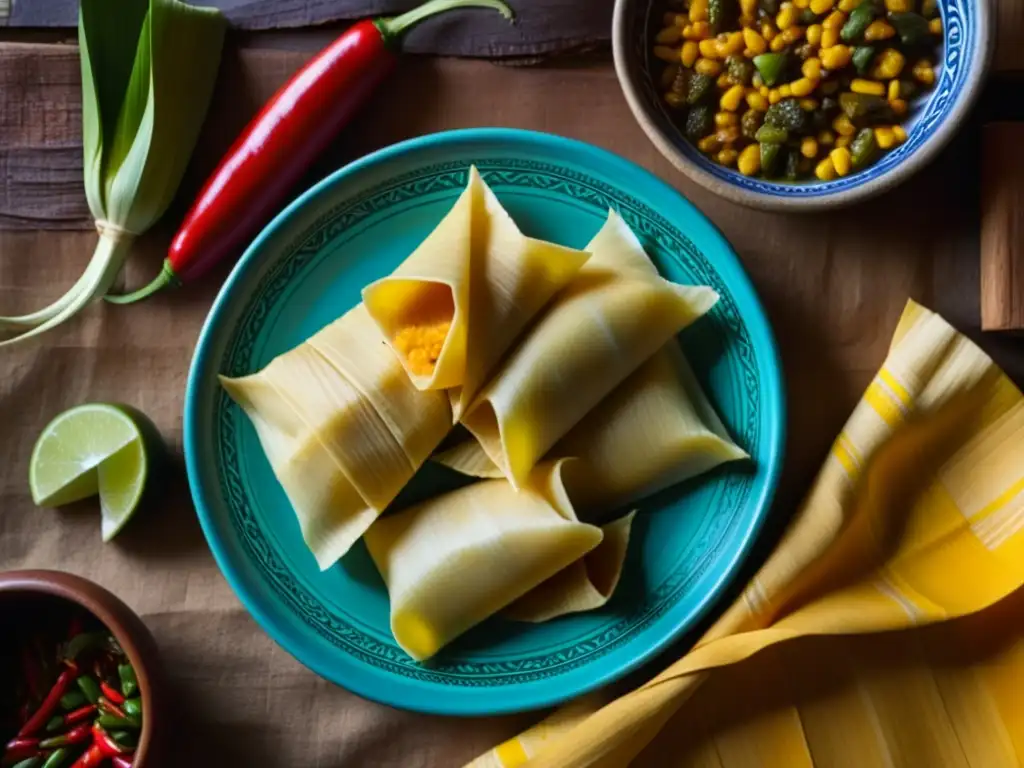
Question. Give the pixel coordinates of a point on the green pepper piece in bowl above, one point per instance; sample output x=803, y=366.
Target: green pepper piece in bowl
x=700, y=87
x=770, y=156
x=772, y=134
x=863, y=148
x=699, y=122
x=860, y=18
x=912, y=27
x=862, y=56
x=771, y=66
x=865, y=106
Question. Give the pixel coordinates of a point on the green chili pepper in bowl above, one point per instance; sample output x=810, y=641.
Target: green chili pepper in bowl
x=862, y=56
x=860, y=18
x=863, y=148
x=129, y=684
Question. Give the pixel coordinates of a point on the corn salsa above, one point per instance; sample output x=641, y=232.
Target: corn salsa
x=796, y=90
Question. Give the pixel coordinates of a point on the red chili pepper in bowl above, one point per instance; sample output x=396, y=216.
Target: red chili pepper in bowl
x=106, y=743
x=71, y=718
x=284, y=139
x=39, y=720
x=110, y=708
x=20, y=749
x=111, y=693
x=77, y=735
x=91, y=758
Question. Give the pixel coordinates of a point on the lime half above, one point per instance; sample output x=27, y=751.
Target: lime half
x=92, y=449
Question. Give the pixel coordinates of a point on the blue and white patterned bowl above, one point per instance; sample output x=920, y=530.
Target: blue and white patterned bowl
x=935, y=117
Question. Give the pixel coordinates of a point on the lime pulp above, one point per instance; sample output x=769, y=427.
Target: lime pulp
x=97, y=448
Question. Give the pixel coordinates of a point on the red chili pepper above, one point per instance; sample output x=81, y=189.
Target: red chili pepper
x=110, y=707
x=284, y=139
x=77, y=735
x=91, y=758
x=107, y=745
x=71, y=718
x=20, y=749
x=111, y=693
x=38, y=721
x=20, y=742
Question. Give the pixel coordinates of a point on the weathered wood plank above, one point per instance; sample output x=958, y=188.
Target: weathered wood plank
x=542, y=26
x=40, y=139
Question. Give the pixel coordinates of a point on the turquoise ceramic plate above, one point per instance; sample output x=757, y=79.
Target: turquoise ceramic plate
x=308, y=267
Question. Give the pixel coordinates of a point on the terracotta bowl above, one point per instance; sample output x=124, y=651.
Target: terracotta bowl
x=21, y=587
x=934, y=117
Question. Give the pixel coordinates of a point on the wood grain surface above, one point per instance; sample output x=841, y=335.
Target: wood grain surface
x=542, y=26
x=1009, y=36
x=41, y=139
x=833, y=286
x=1002, y=227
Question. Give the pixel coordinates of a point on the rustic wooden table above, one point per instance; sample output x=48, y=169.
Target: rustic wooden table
x=834, y=285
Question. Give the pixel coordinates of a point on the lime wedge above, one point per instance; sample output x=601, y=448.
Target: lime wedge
x=92, y=449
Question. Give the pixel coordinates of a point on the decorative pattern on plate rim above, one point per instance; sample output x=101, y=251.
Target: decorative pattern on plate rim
x=959, y=42
x=449, y=177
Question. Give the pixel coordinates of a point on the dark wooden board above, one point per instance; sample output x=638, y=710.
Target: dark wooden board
x=542, y=26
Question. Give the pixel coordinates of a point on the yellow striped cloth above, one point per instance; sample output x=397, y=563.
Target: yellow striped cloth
x=914, y=523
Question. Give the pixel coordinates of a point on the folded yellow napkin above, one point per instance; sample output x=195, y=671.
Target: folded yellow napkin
x=915, y=519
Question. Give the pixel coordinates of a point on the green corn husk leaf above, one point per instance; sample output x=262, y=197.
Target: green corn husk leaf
x=148, y=71
x=163, y=109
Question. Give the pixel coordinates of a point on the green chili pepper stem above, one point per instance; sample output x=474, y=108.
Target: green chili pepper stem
x=392, y=29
